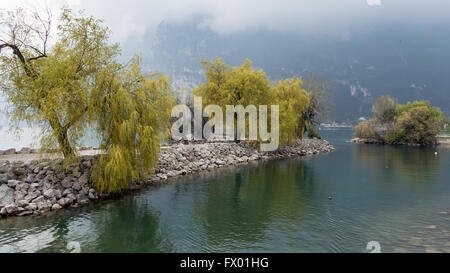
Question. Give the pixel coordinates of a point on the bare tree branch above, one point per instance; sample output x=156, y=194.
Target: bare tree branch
x=26, y=33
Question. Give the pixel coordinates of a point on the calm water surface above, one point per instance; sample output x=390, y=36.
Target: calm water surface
x=398, y=196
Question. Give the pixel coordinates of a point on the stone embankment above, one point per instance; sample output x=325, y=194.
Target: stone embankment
x=366, y=141
x=34, y=187
x=443, y=142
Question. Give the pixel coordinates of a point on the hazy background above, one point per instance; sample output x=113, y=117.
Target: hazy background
x=367, y=48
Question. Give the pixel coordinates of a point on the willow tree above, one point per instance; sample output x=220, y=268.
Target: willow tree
x=238, y=85
x=131, y=119
x=293, y=102
x=77, y=84
x=52, y=88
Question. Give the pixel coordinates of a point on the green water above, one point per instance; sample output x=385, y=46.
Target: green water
x=398, y=196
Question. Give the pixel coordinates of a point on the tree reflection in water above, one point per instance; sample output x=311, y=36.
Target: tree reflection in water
x=240, y=205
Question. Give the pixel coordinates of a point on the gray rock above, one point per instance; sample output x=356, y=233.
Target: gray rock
x=6, y=195
x=84, y=190
x=64, y=202
x=4, y=168
x=22, y=187
x=84, y=179
x=84, y=202
x=60, y=176
x=39, y=199
x=13, y=183
x=50, y=193
x=12, y=209
x=67, y=192
x=44, y=164
x=25, y=213
x=3, y=178
x=71, y=197
x=67, y=183
x=41, y=175
x=19, y=171
x=46, y=186
x=43, y=206
x=220, y=162
x=30, y=178
x=31, y=196
x=81, y=198
x=56, y=207
x=76, y=186
x=162, y=176
x=19, y=195
x=31, y=207
x=22, y=203
x=91, y=196
x=58, y=194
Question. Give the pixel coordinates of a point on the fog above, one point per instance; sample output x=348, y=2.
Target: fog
x=134, y=18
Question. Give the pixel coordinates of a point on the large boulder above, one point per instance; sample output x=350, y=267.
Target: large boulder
x=6, y=195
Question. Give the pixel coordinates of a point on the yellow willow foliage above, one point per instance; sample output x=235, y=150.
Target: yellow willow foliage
x=78, y=85
x=293, y=101
x=131, y=124
x=213, y=91
x=53, y=90
x=239, y=85
x=244, y=86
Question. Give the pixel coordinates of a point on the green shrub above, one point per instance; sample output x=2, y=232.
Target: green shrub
x=395, y=137
x=366, y=130
x=421, y=124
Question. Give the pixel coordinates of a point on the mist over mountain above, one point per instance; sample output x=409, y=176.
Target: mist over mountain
x=367, y=48
x=407, y=61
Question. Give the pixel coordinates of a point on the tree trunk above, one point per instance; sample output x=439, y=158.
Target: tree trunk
x=62, y=137
x=65, y=144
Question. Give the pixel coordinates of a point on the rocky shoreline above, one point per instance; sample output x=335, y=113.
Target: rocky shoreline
x=358, y=140
x=36, y=187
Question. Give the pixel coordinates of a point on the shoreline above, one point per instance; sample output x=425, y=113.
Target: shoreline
x=33, y=187
x=439, y=143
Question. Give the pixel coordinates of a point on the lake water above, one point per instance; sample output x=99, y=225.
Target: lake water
x=397, y=196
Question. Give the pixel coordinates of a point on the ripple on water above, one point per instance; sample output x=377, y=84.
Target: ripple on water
x=279, y=206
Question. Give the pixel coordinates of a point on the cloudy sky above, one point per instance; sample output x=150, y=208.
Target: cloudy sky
x=136, y=17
